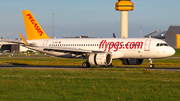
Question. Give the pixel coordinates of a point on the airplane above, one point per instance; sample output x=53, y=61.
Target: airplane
x=96, y=51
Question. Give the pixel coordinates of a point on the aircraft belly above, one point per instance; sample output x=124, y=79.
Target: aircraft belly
x=117, y=55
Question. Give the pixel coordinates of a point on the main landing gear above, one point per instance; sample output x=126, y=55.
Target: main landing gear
x=86, y=64
x=151, y=63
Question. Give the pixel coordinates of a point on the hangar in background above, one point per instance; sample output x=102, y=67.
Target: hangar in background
x=157, y=34
x=8, y=47
x=171, y=36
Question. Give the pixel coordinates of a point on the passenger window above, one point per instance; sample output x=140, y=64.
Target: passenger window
x=157, y=44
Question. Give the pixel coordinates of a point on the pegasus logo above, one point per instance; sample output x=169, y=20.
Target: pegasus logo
x=36, y=26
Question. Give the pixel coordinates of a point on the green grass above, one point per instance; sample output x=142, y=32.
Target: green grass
x=177, y=54
x=100, y=84
x=89, y=85
x=45, y=60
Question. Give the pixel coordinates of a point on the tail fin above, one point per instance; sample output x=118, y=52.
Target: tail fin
x=114, y=36
x=33, y=29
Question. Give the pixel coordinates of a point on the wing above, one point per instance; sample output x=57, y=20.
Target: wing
x=77, y=51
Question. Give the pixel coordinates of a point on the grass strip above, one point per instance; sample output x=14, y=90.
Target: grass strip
x=55, y=61
x=90, y=84
x=177, y=54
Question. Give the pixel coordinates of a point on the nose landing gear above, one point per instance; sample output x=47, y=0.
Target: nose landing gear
x=151, y=63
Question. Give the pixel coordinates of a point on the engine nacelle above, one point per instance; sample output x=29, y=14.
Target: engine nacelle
x=100, y=59
x=132, y=61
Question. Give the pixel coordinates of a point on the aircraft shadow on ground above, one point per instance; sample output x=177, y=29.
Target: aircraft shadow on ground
x=38, y=66
x=76, y=67
x=17, y=63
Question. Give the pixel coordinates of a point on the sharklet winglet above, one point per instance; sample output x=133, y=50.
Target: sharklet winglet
x=25, y=42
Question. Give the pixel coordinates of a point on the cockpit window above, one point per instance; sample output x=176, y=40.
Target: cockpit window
x=162, y=44
x=165, y=44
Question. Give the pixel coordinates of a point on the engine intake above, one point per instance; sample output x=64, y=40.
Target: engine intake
x=132, y=61
x=100, y=59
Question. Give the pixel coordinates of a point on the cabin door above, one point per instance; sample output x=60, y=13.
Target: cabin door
x=45, y=43
x=147, y=45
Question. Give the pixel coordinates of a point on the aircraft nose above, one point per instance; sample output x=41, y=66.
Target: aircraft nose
x=171, y=51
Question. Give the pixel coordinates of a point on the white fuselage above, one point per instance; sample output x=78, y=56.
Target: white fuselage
x=139, y=48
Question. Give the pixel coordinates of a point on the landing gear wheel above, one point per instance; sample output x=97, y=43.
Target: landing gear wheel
x=86, y=64
x=151, y=65
x=110, y=65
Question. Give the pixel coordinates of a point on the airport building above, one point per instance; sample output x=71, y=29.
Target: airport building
x=171, y=36
x=7, y=47
x=157, y=34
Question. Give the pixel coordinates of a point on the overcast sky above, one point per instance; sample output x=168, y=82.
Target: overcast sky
x=83, y=17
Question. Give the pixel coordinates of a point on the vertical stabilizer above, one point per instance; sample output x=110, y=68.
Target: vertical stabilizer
x=33, y=29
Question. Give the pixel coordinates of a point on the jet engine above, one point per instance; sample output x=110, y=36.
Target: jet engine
x=132, y=61
x=104, y=59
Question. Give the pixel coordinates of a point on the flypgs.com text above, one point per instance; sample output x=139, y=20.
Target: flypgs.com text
x=36, y=26
x=119, y=45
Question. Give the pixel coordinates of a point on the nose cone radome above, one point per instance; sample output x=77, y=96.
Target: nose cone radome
x=171, y=51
